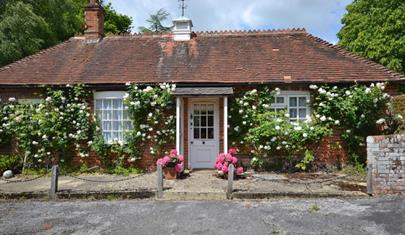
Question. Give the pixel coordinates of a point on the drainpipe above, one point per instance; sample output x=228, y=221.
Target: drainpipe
x=178, y=102
x=226, y=124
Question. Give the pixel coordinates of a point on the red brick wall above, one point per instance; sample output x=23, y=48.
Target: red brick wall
x=331, y=151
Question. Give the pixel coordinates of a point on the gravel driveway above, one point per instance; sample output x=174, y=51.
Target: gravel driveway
x=326, y=216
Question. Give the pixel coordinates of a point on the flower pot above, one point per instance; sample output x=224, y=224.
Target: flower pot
x=169, y=173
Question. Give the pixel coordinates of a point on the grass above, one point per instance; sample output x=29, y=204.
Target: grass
x=314, y=208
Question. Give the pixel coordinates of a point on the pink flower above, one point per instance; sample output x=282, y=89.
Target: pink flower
x=160, y=162
x=224, y=169
x=219, y=166
x=239, y=170
x=232, y=151
x=173, y=152
x=221, y=158
x=229, y=157
x=179, y=168
x=181, y=158
x=166, y=160
x=234, y=160
x=226, y=164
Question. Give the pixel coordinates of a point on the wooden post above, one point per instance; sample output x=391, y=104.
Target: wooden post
x=54, y=182
x=370, y=179
x=159, y=193
x=25, y=161
x=229, y=191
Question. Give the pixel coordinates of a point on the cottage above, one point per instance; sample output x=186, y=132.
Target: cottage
x=207, y=68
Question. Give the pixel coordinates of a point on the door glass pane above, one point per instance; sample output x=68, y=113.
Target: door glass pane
x=210, y=133
x=196, y=109
x=303, y=101
x=210, y=109
x=293, y=101
x=210, y=121
x=203, y=133
x=203, y=120
x=203, y=109
x=196, y=133
x=196, y=121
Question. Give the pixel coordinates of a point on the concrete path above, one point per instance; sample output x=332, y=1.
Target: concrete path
x=200, y=185
x=326, y=216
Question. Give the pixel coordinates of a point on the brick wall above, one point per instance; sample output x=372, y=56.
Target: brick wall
x=386, y=155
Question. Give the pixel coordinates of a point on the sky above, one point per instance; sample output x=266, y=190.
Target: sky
x=319, y=17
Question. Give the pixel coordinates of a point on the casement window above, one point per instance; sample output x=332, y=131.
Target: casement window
x=112, y=115
x=296, y=103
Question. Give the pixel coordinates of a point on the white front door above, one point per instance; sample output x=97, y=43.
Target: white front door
x=204, y=133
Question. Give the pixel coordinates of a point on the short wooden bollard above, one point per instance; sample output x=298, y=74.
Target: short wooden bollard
x=54, y=182
x=370, y=179
x=229, y=191
x=159, y=193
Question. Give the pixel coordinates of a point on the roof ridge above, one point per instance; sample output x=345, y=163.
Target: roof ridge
x=220, y=32
x=348, y=53
x=36, y=54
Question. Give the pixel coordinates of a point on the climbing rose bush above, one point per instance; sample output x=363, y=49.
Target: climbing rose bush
x=224, y=160
x=172, y=160
x=359, y=111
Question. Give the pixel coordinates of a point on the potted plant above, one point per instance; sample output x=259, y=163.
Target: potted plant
x=224, y=160
x=172, y=164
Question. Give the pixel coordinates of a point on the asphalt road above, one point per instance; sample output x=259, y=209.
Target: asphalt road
x=326, y=216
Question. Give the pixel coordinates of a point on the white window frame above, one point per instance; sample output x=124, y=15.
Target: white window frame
x=110, y=95
x=287, y=94
x=30, y=101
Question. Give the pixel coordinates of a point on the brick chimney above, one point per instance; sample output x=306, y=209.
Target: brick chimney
x=94, y=17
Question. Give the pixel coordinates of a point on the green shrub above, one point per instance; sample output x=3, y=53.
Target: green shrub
x=9, y=162
x=306, y=162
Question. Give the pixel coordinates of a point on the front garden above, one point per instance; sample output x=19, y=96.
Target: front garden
x=62, y=128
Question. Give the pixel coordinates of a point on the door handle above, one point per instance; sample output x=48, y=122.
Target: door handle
x=203, y=142
x=191, y=142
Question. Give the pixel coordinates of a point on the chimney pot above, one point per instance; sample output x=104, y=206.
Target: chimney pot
x=182, y=30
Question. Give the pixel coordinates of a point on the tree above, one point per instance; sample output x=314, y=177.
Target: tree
x=22, y=32
x=155, y=22
x=115, y=23
x=27, y=26
x=375, y=29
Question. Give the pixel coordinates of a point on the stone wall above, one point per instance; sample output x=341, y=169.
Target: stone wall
x=386, y=157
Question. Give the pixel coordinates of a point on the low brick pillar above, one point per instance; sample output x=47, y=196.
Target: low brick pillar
x=386, y=155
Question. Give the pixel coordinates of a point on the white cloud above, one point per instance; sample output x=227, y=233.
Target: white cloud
x=319, y=17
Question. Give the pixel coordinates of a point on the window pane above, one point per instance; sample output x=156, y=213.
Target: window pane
x=302, y=113
x=117, y=126
x=107, y=115
x=302, y=101
x=99, y=115
x=117, y=104
x=293, y=101
x=126, y=115
x=210, y=133
x=99, y=104
x=280, y=100
x=107, y=137
x=107, y=104
x=293, y=113
x=117, y=115
x=115, y=136
x=106, y=125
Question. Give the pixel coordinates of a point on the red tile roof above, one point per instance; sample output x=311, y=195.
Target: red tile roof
x=282, y=56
